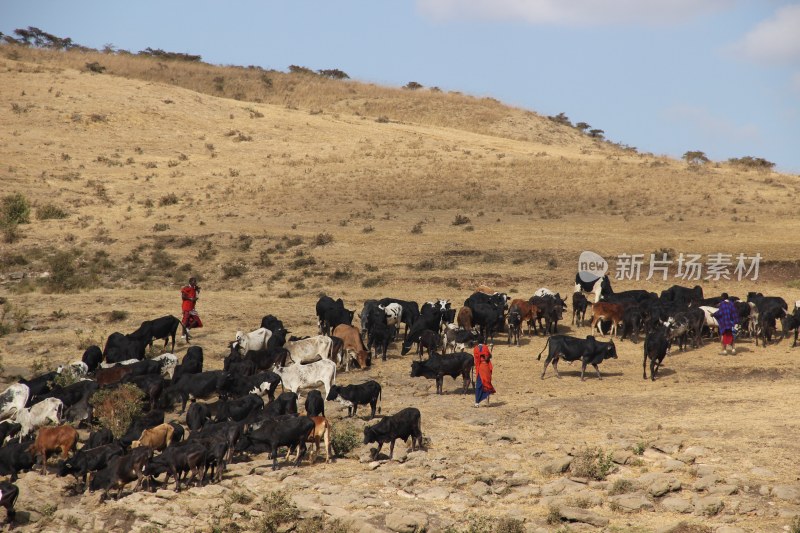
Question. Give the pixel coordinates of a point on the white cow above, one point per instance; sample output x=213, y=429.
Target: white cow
x=255, y=340
x=309, y=350
x=125, y=362
x=711, y=322
x=450, y=337
x=79, y=369
x=13, y=400
x=544, y=291
x=295, y=376
x=48, y=410
x=169, y=362
x=394, y=312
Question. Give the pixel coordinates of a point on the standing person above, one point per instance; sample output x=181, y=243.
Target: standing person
x=727, y=317
x=483, y=374
x=189, y=295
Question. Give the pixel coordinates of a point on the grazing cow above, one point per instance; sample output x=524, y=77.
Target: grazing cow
x=632, y=323
x=98, y=438
x=162, y=328
x=353, y=345
x=550, y=309
x=139, y=424
x=320, y=433
x=488, y=318
x=284, y=404
x=152, y=385
x=428, y=339
x=8, y=430
x=514, y=326
x=429, y=319
x=176, y=461
x=157, y=437
x=527, y=312
x=352, y=396
x=439, y=366
x=255, y=340
x=88, y=460
x=197, y=415
x=109, y=376
x=607, y=311
x=410, y=311
x=295, y=376
x=39, y=385
x=261, y=384
x=240, y=408
x=273, y=434
x=593, y=287
x=331, y=313
x=48, y=410
x=637, y=295
x=589, y=351
x=579, y=305
x=315, y=405
x=767, y=316
x=365, y=314
x=656, y=346
x=685, y=324
x=791, y=323
x=15, y=457
x=8, y=497
x=61, y=438
x=275, y=325
x=201, y=385
x=120, y=471
x=93, y=356
x=121, y=347
x=310, y=350
x=402, y=425
x=682, y=295
x=13, y=399
x=394, y=314
x=710, y=322
x=168, y=363
x=457, y=338
x=380, y=333
x=77, y=369
x=464, y=318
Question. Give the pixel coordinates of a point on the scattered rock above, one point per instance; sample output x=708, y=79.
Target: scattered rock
x=621, y=457
x=706, y=482
x=576, y=514
x=165, y=494
x=666, y=446
x=561, y=486
x=479, y=489
x=709, y=505
x=695, y=451
x=704, y=470
x=786, y=492
x=724, y=490
x=677, y=505
x=671, y=465
x=406, y=522
x=556, y=466
x=635, y=501
x=436, y=493
x=730, y=529
x=763, y=473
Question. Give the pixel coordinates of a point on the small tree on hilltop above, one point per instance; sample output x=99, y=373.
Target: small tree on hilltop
x=561, y=118
x=596, y=133
x=583, y=126
x=412, y=85
x=695, y=158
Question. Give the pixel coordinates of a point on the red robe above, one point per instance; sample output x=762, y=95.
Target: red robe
x=485, y=372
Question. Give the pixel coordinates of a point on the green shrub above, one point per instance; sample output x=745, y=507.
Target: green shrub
x=621, y=486
x=233, y=271
x=50, y=211
x=116, y=408
x=509, y=525
x=15, y=209
x=117, y=315
x=64, y=275
x=592, y=463
x=279, y=512
x=345, y=438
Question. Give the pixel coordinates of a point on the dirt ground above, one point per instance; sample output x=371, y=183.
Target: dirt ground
x=325, y=202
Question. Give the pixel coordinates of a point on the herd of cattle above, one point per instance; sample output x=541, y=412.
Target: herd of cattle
x=239, y=421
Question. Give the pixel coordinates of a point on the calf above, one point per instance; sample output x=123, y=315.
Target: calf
x=352, y=396
x=121, y=471
x=88, y=460
x=632, y=323
x=428, y=339
x=192, y=363
x=61, y=438
x=315, y=405
x=380, y=333
x=353, y=344
x=197, y=415
x=579, y=305
x=439, y=366
x=157, y=437
x=139, y=424
x=527, y=312
x=295, y=376
x=177, y=460
x=16, y=457
x=458, y=339
x=589, y=351
x=514, y=325
x=276, y=433
x=464, y=318
x=656, y=345
x=48, y=410
x=92, y=356
x=402, y=425
x=607, y=311
x=8, y=497
x=791, y=323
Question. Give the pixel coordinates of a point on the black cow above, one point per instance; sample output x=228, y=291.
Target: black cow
x=8, y=497
x=177, y=433
x=488, y=318
x=768, y=314
x=176, y=461
x=589, y=351
x=514, y=326
x=791, y=323
x=192, y=363
x=429, y=340
x=88, y=460
x=273, y=434
x=331, y=313
x=380, y=333
x=550, y=309
x=93, y=356
x=607, y=294
x=682, y=295
x=656, y=346
x=275, y=326
x=98, y=438
x=164, y=328
x=352, y=396
x=139, y=424
x=15, y=457
x=438, y=366
x=121, y=347
x=152, y=385
x=148, y=366
x=402, y=425
x=365, y=314
x=201, y=385
x=579, y=305
x=197, y=415
x=122, y=470
x=410, y=312
x=240, y=408
x=315, y=405
x=263, y=359
x=264, y=382
x=632, y=323
x=429, y=319
x=71, y=394
x=230, y=432
x=38, y=385
x=8, y=430
x=284, y=404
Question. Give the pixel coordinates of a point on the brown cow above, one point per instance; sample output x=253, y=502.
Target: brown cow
x=464, y=318
x=321, y=432
x=527, y=312
x=51, y=439
x=351, y=337
x=109, y=376
x=485, y=290
x=606, y=311
x=157, y=437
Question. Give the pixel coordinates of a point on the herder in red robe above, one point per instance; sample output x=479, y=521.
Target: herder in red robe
x=483, y=374
x=191, y=319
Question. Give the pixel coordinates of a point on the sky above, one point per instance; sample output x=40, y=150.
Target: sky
x=664, y=76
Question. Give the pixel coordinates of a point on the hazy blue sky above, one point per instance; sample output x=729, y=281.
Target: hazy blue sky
x=666, y=76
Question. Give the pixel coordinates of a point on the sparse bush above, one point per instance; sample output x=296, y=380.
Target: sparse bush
x=640, y=447
x=621, y=486
x=412, y=85
x=50, y=211
x=168, y=199
x=302, y=262
x=417, y=228
x=161, y=260
x=207, y=251
x=297, y=69
x=372, y=282
x=15, y=209
x=592, y=463
x=244, y=242
x=64, y=275
x=341, y=274
x=233, y=271
x=368, y=229
x=334, y=74
x=383, y=119
x=562, y=119
x=66, y=377
x=117, y=315
x=509, y=525
x=345, y=438
x=160, y=226
x=554, y=515
x=695, y=158
x=751, y=163
x=264, y=259
x=116, y=408
x=279, y=512
x=460, y=220
x=94, y=66
x=322, y=239
x=425, y=264
x=596, y=133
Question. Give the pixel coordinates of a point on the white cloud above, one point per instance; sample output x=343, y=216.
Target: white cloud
x=574, y=12
x=775, y=40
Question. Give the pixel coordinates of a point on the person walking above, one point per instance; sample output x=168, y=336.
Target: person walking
x=189, y=295
x=483, y=374
x=727, y=317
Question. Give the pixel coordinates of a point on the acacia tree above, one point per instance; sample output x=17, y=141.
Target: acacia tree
x=695, y=158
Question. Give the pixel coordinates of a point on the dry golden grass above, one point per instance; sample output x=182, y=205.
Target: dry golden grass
x=256, y=191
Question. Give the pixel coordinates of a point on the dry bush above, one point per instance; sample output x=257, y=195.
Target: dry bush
x=50, y=211
x=235, y=270
x=116, y=408
x=168, y=199
x=64, y=273
x=15, y=209
x=592, y=463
